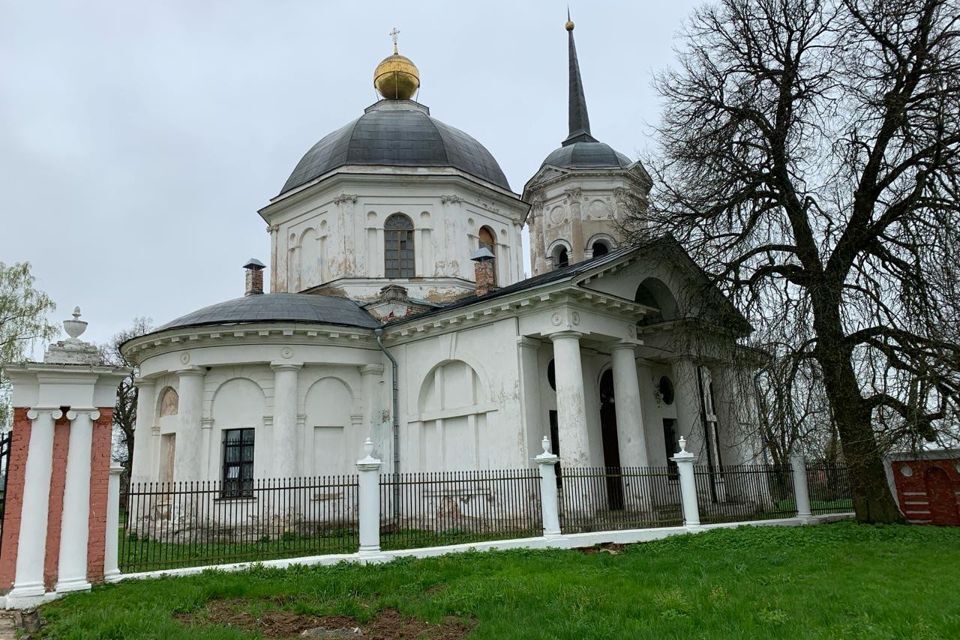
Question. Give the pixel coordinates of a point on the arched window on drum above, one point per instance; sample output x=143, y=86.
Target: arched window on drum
x=398, y=250
x=488, y=240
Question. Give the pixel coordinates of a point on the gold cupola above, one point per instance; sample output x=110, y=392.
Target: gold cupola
x=396, y=77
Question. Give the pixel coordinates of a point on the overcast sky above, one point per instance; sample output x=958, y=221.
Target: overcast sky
x=138, y=139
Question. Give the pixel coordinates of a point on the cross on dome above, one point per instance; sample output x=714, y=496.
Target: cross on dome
x=393, y=34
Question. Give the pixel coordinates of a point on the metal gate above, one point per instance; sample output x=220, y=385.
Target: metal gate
x=5, y=441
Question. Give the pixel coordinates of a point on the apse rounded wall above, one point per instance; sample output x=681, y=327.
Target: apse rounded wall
x=300, y=401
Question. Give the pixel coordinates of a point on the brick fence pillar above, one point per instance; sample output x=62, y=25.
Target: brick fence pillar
x=56, y=509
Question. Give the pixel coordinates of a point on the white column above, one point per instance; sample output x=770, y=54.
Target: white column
x=285, y=445
x=571, y=410
x=372, y=376
x=206, y=445
x=549, y=501
x=143, y=440
x=111, y=567
x=801, y=491
x=688, y=486
x=368, y=480
x=75, y=522
x=626, y=393
x=28, y=583
x=532, y=420
x=188, y=455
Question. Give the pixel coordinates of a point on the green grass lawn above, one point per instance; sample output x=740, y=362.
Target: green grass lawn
x=830, y=581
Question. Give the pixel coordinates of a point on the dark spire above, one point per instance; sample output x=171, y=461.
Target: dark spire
x=579, y=120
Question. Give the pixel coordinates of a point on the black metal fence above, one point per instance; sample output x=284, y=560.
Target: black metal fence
x=745, y=492
x=452, y=507
x=182, y=524
x=601, y=499
x=829, y=487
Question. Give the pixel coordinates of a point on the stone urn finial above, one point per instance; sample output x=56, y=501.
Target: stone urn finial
x=683, y=445
x=545, y=443
x=75, y=327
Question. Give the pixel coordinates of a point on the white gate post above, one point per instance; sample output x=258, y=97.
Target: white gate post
x=369, y=500
x=549, y=502
x=688, y=486
x=111, y=554
x=801, y=491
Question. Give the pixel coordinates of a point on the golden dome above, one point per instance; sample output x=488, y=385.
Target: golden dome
x=396, y=78
x=569, y=25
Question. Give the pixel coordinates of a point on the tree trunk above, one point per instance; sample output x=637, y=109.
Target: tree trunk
x=872, y=500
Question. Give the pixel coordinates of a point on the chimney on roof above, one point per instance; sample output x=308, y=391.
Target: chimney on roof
x=254, y=277
x=483, y=265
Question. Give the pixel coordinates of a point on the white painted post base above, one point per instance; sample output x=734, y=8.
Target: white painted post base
x=688, y=486
x=549, y=500
x=369, y=501
x=111, y=559
x=801, y=492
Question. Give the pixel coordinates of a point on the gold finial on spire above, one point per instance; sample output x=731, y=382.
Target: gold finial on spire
x=396, y=77
x=393, y=34
x=569, y=25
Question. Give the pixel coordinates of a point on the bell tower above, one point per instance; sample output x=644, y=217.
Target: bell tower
x=582, y=191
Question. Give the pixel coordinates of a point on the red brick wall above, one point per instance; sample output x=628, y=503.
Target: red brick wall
x=99, y=483
x=58, y=480
x=16, y=475
x=923, y=499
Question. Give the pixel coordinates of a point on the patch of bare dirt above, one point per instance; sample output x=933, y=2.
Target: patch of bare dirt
x=388, y=624
x=607, y=547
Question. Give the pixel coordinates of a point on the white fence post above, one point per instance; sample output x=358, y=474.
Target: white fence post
x=111, y=566
x=369, y=500
x=549, y=502
x=688, y=486
x=801, y=491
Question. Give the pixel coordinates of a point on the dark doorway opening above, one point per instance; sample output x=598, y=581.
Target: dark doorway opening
x=670, y=444
x=555, y=441
x=611, y=446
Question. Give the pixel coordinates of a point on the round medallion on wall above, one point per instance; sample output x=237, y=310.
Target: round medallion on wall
x=906, y=470
x=576, y=317
x=184, y=358
x=557, y=215
x=286, y=353
x=556, y=319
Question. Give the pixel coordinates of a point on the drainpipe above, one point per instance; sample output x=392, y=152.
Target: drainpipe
x=396, y=423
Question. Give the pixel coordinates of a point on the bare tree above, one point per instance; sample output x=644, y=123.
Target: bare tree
x=810, y=164
x=125, y=410
x=23, y=311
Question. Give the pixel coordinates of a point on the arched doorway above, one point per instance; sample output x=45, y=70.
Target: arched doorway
x=611, y=446
x=940, y=496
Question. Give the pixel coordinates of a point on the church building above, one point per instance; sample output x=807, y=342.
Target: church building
x=398, y=309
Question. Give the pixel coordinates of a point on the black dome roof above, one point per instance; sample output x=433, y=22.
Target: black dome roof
x=398, y=133
x=283, y=307
x=587, y=155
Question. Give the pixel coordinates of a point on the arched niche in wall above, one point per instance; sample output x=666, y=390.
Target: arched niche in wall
x=309, y=259
x=238, y=404
x=652, y=292
x=330, y=441
x=168, y=403
x=453, y=406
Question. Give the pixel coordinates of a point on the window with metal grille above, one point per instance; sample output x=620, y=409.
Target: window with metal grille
x=237, y=463
x=398, y=247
